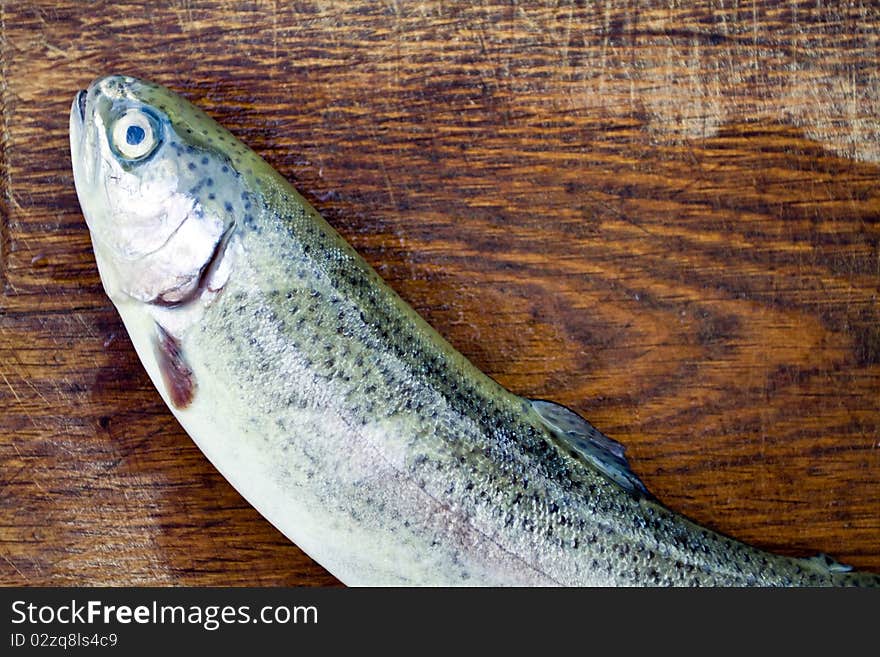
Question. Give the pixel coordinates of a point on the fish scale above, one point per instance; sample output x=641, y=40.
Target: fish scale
x=336, y=410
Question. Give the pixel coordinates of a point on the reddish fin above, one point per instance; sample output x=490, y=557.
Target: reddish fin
x=176, y=374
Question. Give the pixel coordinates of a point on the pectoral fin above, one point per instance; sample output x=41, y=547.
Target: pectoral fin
x=597, y=449
x=176, y=373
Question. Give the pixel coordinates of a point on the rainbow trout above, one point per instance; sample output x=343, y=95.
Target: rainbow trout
x=338, y=412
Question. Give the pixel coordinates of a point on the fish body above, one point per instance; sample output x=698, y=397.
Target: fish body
x=336, y=410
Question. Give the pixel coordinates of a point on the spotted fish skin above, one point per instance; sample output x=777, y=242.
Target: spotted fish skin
x=339, y=413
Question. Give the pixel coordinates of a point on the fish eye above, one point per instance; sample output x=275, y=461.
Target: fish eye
x=134, y=134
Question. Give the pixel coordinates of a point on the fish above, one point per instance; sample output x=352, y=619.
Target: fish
x=339, y=413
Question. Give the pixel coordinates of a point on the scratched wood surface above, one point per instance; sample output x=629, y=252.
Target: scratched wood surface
x=665, y=217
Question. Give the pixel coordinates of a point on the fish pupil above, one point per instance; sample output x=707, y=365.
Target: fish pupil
x=134, y=135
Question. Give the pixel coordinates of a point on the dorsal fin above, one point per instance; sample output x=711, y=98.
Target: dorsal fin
x=825, y=564
x=581, y=437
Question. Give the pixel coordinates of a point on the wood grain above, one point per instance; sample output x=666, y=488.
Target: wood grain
x=663, y=216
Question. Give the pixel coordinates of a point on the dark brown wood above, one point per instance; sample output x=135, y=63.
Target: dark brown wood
x=665, y=218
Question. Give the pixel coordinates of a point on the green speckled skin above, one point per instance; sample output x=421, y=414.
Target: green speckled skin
x=353, y=426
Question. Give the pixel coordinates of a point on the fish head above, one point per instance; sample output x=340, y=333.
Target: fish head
x=156, y=186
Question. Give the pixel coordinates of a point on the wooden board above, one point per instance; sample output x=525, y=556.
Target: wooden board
x=663, y=217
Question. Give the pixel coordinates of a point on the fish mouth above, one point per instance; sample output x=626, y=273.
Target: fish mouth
x=78, y=113
x=78, y=123
x=76, y=137
x=80, y=103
